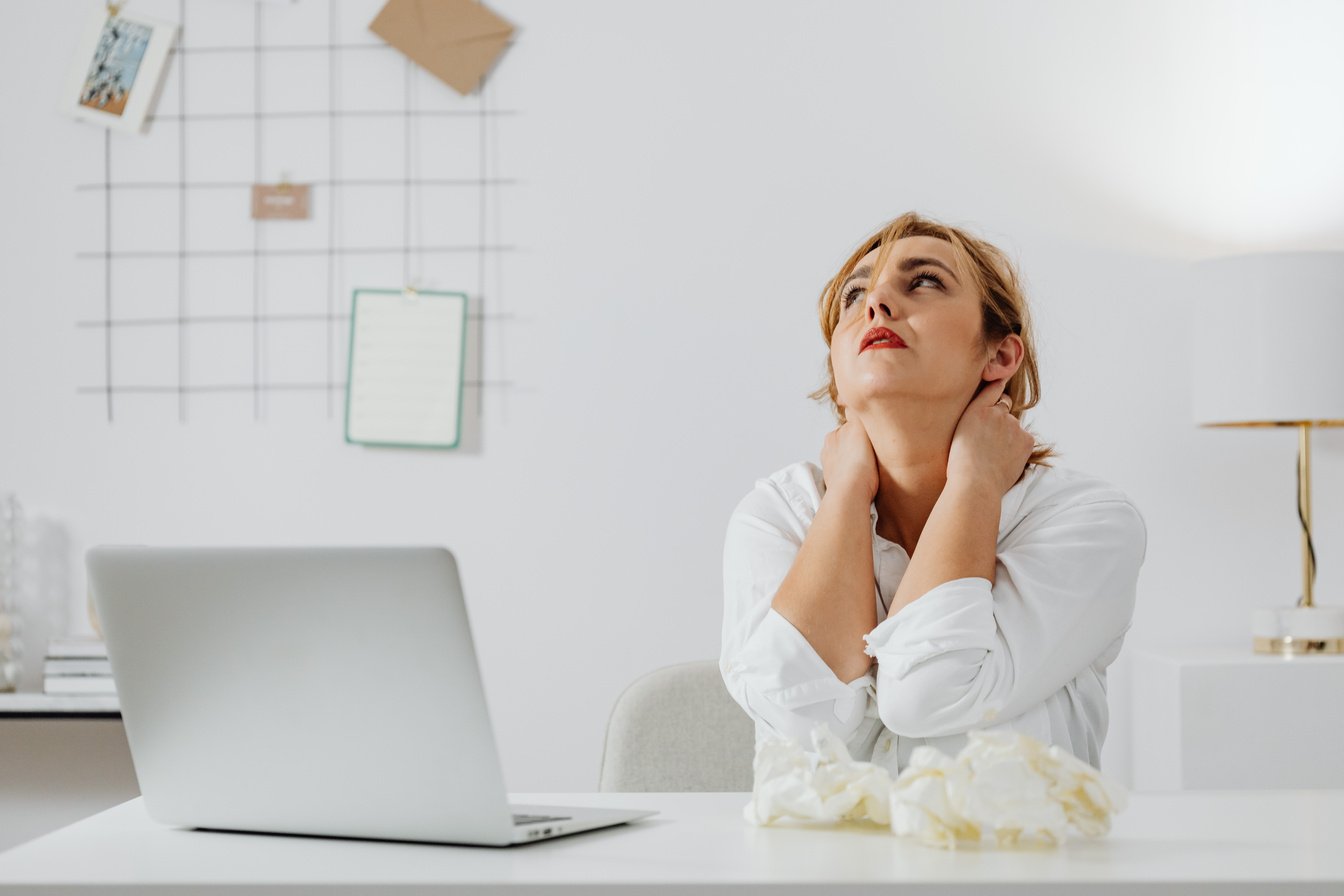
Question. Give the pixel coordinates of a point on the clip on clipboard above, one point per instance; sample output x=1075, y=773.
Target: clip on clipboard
x=407, y=355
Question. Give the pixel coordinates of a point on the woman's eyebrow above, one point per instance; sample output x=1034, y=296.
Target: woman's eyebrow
x=910, y=263
x=862, y=270
x=906, y=265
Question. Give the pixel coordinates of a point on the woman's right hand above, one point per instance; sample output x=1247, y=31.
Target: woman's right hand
x=848, y=460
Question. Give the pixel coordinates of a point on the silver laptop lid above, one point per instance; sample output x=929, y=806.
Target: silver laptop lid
x=314, y=690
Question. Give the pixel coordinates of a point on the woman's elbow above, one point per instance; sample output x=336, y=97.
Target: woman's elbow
x=903, y=711
x=933, y=700
x=796, y=723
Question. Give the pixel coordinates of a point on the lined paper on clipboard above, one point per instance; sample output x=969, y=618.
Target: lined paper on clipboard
x=407, y=350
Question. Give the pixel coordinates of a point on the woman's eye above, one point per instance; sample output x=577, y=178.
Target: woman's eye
x=853, y=293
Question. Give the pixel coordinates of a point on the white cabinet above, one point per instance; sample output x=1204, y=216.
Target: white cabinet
x=1225, y=717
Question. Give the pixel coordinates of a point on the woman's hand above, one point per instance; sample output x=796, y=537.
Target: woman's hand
x=989, y=448
x=848, y=460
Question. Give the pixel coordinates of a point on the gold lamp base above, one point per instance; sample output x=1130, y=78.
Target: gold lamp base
x=1298, y=631
x=1291, y=646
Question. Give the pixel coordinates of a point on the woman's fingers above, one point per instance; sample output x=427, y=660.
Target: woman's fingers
x=847, y=456
x=991, y=391
x=986, y=445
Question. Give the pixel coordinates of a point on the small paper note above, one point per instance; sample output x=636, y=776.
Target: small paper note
x=406, y=364
x=280, y=201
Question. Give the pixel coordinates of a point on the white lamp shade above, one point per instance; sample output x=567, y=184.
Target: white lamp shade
x=1268, y=337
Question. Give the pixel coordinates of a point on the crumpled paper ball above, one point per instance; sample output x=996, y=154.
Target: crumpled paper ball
x=1002, y=782
x=825, y=785
x=1005, y=783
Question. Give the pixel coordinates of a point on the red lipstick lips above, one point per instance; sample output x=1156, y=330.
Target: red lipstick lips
x=880, y=337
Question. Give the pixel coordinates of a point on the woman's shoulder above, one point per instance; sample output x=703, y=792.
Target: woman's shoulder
x=802, y=478
x=1056, y=485
x=794, y=490
x=791, y=495
x=1049, y=490
x=802, y=485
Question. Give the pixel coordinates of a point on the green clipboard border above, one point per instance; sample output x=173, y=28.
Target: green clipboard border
x=461, y=374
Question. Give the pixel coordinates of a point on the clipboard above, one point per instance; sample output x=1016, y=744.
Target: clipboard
x=403, y=388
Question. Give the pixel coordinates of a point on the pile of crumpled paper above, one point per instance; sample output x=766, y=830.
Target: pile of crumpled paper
x=1003, y=783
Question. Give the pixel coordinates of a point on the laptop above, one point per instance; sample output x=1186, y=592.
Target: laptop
x=328, y=691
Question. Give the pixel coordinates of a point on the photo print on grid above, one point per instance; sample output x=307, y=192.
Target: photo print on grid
x=118, y=69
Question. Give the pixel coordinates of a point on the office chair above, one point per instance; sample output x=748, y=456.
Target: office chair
x=678, y=729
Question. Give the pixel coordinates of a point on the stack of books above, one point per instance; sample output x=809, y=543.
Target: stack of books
x=77, y=666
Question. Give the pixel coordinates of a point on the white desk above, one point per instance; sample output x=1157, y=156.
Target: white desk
x=1247, y=841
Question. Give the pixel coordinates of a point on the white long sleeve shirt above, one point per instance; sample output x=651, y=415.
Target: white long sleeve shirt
x=1026, y=652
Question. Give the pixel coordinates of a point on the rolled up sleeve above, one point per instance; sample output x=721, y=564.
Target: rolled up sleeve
x=970, y=653
x=768, y=666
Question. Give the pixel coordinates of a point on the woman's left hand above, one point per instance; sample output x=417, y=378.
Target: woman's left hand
x=989, y=448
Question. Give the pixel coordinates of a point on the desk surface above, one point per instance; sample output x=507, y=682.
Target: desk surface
x=1275, y=837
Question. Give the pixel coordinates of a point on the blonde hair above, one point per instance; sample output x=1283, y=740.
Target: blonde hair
x=992, y=276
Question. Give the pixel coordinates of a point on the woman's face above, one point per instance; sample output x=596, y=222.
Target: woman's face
x=928, y=303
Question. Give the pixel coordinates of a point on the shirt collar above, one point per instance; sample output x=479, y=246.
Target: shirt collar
x=1010, y=508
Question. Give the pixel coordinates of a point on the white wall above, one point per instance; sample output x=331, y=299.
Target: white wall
x=690, y=174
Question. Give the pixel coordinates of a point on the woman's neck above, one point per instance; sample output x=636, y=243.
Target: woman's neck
x=911, y=471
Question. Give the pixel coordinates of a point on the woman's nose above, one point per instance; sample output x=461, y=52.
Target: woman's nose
x=876, y=302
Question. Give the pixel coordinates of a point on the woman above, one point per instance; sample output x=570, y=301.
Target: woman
x=1004, y=586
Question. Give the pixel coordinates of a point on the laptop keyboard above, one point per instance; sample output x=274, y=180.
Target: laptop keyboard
x=529, y=819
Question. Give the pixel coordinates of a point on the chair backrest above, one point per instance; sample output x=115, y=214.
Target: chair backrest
x=678, y=729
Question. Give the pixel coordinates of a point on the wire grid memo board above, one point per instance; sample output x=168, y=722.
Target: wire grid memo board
x=191, y=299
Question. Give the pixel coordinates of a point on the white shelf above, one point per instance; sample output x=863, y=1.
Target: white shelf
x=38, y=704
x=1227, y=717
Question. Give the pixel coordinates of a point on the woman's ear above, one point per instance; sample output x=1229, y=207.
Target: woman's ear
x=1007, y=358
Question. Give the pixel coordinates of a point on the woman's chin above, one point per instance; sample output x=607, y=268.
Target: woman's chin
x=879, y=390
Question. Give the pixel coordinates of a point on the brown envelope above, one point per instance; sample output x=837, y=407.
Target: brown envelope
x=457, y=41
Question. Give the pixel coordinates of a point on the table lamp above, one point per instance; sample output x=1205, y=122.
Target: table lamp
x=1267, y=332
